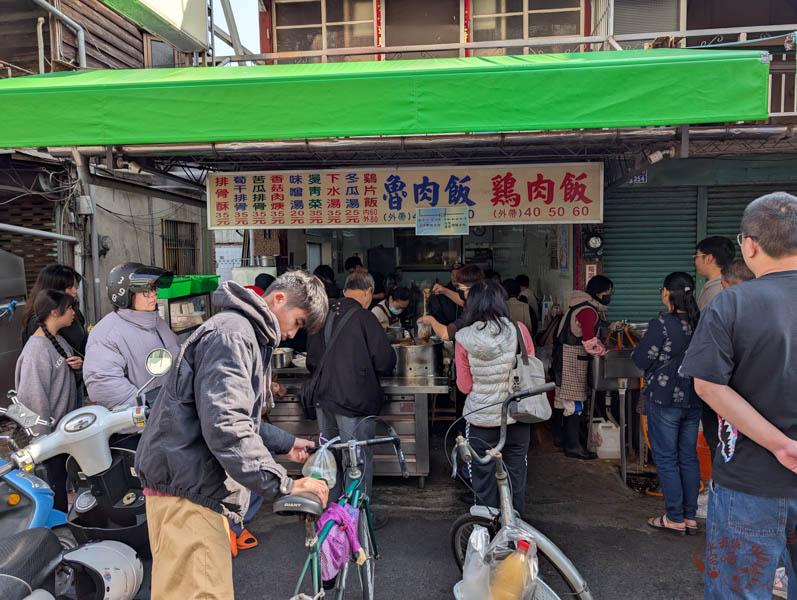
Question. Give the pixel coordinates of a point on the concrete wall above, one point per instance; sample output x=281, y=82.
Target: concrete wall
x=135, y=234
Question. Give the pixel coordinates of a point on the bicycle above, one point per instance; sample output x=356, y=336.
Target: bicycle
x=309, y=509
x=493, y=519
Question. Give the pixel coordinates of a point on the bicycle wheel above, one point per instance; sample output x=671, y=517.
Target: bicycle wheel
x=460, y=534
x=367, y=569
x=556, y=585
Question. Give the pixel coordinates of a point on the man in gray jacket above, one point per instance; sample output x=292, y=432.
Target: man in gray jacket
x=202, y=451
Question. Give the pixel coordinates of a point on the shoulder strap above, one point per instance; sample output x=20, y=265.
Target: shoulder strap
x=521, y=350
x=561, y=336
x=337, y=329
x=384, y=310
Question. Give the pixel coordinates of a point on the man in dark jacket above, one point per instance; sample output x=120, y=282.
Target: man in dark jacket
x=203, y=444
x=348, y=385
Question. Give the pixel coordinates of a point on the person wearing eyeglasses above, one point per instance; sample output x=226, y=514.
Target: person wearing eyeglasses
x=742, y=358
x=117, y=348
x=712, y=255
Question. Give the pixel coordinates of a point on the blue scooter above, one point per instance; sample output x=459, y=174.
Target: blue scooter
x=26, y=501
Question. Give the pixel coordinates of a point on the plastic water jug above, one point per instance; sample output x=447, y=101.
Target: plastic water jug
x=512, y=575
x=605, y=436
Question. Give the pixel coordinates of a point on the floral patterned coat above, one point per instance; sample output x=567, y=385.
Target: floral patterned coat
x=659, y=355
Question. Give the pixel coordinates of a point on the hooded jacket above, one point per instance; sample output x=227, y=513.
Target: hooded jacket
x=202, y=440
x=491, y=354
x=116, y=353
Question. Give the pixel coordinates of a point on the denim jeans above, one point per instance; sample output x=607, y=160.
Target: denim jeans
x=255, y=502
x=673, y=437
x=745, y=538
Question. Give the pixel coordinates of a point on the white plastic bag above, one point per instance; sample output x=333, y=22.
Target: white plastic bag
x=475, y=573
x=322, y=465
x=504, y=544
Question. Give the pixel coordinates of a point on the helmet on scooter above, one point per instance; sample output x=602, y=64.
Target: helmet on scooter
x=105, y=571
x=135, y=278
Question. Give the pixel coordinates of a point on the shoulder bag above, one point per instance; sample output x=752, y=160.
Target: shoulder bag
x=528, y=372
x=310, y=386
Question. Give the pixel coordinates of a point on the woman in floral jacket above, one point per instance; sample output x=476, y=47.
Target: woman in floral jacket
x=673, y=409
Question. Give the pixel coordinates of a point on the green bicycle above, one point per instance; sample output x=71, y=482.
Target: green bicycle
x=308, y=508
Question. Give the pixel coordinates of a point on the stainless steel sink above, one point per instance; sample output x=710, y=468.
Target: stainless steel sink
x=609, y=371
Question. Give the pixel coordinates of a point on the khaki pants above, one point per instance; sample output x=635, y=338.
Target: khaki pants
x=191, y=557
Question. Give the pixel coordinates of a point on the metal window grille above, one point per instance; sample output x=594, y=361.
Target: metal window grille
x=181, y=247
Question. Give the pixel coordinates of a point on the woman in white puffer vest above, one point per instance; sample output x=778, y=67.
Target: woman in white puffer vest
x=485, y=356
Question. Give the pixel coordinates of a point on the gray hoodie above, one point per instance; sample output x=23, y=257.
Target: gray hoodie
x=114, y=367
x=44, y=382
x=203, y=438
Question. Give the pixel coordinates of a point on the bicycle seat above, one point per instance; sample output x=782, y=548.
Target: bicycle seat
x=299, y=504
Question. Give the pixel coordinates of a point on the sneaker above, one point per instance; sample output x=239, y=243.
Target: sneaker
x=379, y=521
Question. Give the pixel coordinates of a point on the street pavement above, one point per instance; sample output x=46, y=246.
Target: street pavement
x=581, y=505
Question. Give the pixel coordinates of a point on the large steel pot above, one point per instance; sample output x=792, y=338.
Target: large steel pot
x=394, y=333
x=281, y=358
x=419, y=360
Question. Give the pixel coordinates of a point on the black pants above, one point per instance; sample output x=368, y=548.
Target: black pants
x=515, y=455
x=55, y=468
x=710, y=428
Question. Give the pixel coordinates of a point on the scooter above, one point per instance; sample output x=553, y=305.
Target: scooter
x=28, y=500
x=110, y=503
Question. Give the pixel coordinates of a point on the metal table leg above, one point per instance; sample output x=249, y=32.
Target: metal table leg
x=623, y=447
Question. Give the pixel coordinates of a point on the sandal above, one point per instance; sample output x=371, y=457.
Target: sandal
x=233, y=544
x=691, y=529
x=663, y=523
x=246, y=540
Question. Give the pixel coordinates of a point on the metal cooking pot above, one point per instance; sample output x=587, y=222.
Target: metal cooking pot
x=419, y=360
x=281, y=358
x=395, y=333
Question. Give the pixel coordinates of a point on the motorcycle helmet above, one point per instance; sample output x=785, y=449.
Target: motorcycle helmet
x=105, y=571
x=134, y=278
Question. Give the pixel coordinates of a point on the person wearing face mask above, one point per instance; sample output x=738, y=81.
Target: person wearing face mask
x=576, y=340
x=117, y=348
x=388, y=311
x=348, y=387
x=44, y=378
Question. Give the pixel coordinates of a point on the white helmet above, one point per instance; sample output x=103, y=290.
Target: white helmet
x=105, y=570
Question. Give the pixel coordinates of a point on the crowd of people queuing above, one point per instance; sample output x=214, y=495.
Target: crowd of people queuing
x=725, y=357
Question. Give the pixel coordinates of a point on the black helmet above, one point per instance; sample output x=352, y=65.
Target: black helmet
x=131, y=278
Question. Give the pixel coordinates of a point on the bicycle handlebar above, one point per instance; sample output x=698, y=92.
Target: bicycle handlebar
x=466, y=451
x=392, y=439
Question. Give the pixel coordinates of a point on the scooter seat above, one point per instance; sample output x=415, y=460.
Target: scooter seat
x=299, y=504
x=27, y=562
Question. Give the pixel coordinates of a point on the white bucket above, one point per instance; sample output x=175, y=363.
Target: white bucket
x=605, y=438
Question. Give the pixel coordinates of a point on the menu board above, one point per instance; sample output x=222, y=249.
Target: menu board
x=368, y=197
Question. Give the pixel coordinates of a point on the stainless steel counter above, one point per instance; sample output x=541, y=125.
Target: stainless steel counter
x=406, y=408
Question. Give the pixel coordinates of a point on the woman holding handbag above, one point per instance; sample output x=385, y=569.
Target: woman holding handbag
x=673, y=409
x=486, y=350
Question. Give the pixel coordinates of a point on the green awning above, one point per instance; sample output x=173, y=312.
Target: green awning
x=451, y=95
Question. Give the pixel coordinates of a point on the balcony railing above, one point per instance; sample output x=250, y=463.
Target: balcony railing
x=783, y=100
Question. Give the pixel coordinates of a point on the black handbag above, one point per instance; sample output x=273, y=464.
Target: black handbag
x=309, y=387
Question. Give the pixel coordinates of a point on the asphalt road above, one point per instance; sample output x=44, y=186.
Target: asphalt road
x=581, y=506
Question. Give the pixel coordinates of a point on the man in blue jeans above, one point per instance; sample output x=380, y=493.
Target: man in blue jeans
x=743, y=357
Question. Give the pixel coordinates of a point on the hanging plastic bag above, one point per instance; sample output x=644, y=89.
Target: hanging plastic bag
x=512, y=560
x=475, y=573
x=322, y=464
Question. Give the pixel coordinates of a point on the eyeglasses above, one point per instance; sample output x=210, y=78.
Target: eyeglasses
x=661, y=289
x=740, y=238
x=694, y=256
x=152, y=290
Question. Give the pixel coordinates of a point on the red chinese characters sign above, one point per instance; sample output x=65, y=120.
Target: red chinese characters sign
x=369, y=197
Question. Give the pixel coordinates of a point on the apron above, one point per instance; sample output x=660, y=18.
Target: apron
x=391, y=318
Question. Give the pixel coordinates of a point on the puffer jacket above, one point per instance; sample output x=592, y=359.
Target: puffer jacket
x=491, y=354
x=116, y=354
x=202, y=439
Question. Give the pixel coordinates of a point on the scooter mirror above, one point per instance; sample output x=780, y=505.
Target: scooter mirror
x=159, y=361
